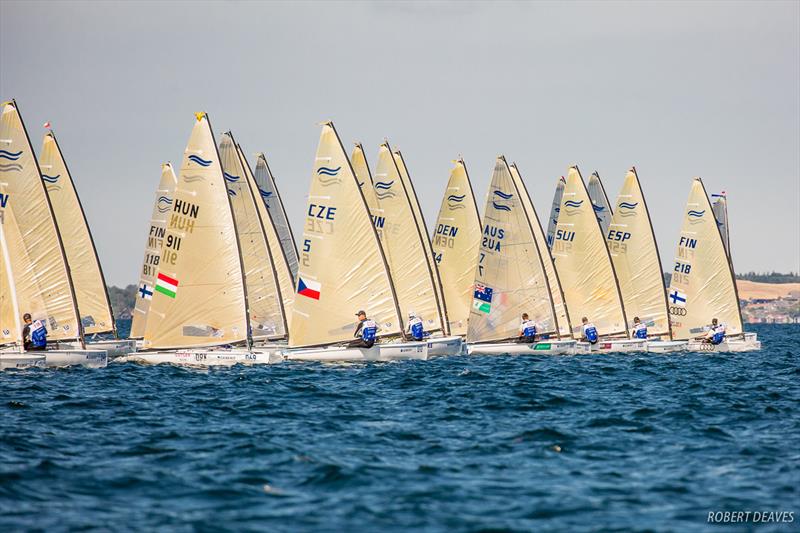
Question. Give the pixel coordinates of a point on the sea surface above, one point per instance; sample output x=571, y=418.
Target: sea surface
x=545, y=443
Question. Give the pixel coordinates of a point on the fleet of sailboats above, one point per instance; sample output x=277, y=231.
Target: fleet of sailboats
x=223, y=281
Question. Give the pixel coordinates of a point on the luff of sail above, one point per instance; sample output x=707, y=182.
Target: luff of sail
x=403, y=244
x=584, y=264
x=360, y=166
x=600, y=203
x=267, y=320
x=342, y=266
x=199, y=297
x=509, y=278
x=268, y=190
x=634, y=252
x=162, y=206
x=94, y=305
x=556, y=293
x=42, y=281
x=702, y=285
x=424, y=237
x=554, y=210
x=456, y=245
x=10, y=316
x=720, y=208
x=286, y=283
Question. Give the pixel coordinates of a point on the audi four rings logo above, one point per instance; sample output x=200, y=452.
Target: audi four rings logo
x=680, y=311
x=706, y=347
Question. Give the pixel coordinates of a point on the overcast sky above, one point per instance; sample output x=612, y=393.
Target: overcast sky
x=677, y=89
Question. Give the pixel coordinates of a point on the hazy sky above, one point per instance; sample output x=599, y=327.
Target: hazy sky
x=677, y=89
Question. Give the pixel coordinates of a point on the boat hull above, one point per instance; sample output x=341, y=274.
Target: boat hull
x=113, y=347
x=88, y=358
x=379, y=352
x=203, y=358
x=445, y=346
x=566, y=347
x=21, y=360
x=666, y=346
x=749, y=343
x=613, y=346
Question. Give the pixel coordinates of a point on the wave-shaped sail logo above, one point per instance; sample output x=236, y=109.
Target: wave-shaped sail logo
x=504, y=196
x=454, y=201
x=627, y=209
x=10, y=167
x=573, y=203
x=264, y=194
x=51, y=179
x=199, y=160
x=230, y=178
x=328, y=176
x=696, y=214
x=500, y=207
x=598, y=208
x=11, y=156
x=164, y=204
x=231, y=192
x=383, y=189
x=627, y=205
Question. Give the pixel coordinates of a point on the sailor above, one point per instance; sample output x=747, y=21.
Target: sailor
x=365, y=332
x=527, y=330
x=715, y=333
x=415, y=330
x=34, y=334
x=589, y=332
x=639, y=329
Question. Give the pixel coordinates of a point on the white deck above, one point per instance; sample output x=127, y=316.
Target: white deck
x=556, y=347
x=379, y=352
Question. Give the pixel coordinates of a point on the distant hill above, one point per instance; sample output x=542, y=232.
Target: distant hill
x=770, y=277
x=122, y=300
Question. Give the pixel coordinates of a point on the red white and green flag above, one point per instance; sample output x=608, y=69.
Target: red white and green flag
x=166, y=285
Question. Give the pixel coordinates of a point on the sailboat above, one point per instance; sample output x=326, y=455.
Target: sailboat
x=634, y=253
x=91, y=293
x=586, y=272
x=456, y=245
x=162, y=206
x=554, y=210
x=269, y=193
x=36, y=278
x=600, y=203
x=343, y=269
x=443, y=343
x=703, y=284
x=556, y=292
x=199, y=308
x=510, y=278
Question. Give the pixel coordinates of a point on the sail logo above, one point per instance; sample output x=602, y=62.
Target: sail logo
x=166, y=285
x=230, y=178
x=309, y=288
x=482, y=298
x=231, y=192
x=696, y=214
x=677, y=298
x=164, y=204
x=265, y=194
x=11, y=156
x=51, y=179
x=199, y=160
x=328, y=176
x=383, y=190
x=627, y=209
x=454, y=201
x=500, y=195
x=598, y=208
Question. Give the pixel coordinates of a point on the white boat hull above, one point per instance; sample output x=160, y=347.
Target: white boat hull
x=21, y=360
x=749, y=343
x=445, y=346
x=545, y=347
x=613, y=346
x=113, y=347
x=379, y=352
x=87, y=358
x=666, y=346
x=203, y=358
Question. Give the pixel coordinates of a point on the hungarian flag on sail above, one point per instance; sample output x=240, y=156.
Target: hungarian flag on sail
x=309, y=288
x=166, y=285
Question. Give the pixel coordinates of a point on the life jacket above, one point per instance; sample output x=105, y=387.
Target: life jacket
x=416, y=328
x=528, y=328
x=38, y=334
x=640, y=331
x=719, y=335
x=590, y=332
x=368, y=330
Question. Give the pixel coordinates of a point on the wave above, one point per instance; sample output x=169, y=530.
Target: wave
x=193, y=178
x=598, y=208
x=384, y=184
x=326, y=182
x=456, y=198
x=627, y=205
x=164, y=199
x=231, y=192
x=265, y=194
x=11, y=156
x=199, y=160
x=230, y=178
x=5, y=167
x=696, y=214
x=51, y=179
x=573, y=203
x=328, y=171
x=501, y=207
x=385, y=194
x=504, y=196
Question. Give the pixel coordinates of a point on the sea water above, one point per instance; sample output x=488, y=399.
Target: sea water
x=542, y=443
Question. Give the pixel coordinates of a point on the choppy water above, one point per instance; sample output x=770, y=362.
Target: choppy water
x=459, y=444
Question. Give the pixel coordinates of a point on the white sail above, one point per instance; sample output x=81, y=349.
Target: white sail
x=554, y=210
x=702, y=285
x=342, y=267
x=424, y=236
x=556, y=293
x=267, y=320
x=94, y=305
x=456, y=245
x=720, y=208
x=600, y=203
x=286, y=282
x=42, y=281
x=584, y=264
x=10, y=316
x=634, y=252
x=510, y=277
x=361, y=168
x=268, y=191
x=199, y=296
x=403, y=244
x=162, y=206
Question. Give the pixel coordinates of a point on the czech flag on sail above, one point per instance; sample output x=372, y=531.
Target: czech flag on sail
x=309, y=288
x=167, y=285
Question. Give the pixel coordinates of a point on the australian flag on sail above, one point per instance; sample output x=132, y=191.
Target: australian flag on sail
x=483, y=298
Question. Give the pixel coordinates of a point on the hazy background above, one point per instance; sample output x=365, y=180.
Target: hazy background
x=678, y=89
